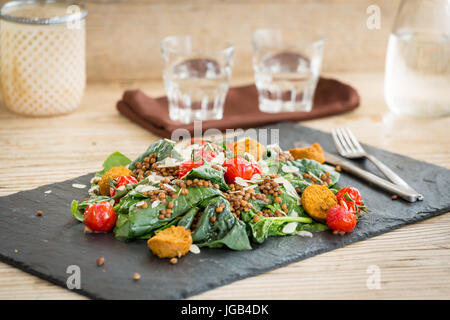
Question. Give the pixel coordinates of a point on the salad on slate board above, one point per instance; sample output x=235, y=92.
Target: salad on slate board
x=183, y=196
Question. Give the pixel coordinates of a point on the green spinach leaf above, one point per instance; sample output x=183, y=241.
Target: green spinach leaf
x=224, y=230
x=162, y=148
x=207, y=173
x=188, y=218
x=313, y=227
x=75, y=212
x=140, y=222
x=271, y=226
x=313, y=167
x=115, y=159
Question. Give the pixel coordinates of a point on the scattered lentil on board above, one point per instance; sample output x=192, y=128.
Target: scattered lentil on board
x=100, y=261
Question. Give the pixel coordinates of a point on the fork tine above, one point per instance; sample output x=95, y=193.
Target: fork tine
x=344, y=144
x=347, y=139
x=337, y=143
x=354, y=140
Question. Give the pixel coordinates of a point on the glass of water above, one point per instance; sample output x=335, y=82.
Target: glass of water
x=196, y=74
x=287, y=65
x=417, y=75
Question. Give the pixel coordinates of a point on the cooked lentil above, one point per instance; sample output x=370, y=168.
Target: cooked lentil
x=165, y=171
x=142, y=170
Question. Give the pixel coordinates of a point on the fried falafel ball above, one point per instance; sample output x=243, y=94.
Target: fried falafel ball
x=171, y=242
x=317, y=200
x=111, y=174
x=313, y=152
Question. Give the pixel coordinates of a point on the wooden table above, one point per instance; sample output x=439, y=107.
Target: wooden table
x=414, y=261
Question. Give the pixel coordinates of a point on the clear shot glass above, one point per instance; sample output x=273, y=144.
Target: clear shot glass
x=197, y=72
x=286, y=63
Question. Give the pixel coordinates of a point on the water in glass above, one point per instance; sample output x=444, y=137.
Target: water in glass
x=196, y=89
x=197, y=71
x=285, y=82
x=286, y=63
x=417, y=76
x=417, y=80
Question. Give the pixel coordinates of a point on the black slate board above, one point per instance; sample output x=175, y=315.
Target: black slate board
x=47, y=245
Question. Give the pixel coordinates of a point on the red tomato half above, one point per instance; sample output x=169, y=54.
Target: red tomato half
x=239, y=167
x=350, y=198
x=122, y=181
x=187, y=166
x=100, y=217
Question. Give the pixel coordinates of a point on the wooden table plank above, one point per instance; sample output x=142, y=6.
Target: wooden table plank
x=414, y=261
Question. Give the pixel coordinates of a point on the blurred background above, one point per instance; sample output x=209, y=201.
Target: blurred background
x=123, y=36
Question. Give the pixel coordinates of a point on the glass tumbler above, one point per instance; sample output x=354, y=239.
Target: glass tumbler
x=417, y=74
x=42, y=56
x=286, y=63
x=196, y=74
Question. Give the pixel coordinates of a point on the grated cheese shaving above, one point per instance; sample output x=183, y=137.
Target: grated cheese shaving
x=79, y=185
x=194, y=249
x=290, y=227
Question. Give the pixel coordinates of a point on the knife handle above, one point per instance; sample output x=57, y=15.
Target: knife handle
x=403, y=192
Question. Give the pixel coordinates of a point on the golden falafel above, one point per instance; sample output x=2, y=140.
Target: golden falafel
x=314, y=152
x=171, y=242
x=317, y=200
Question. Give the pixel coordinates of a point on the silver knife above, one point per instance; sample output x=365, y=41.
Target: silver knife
x=403, y=192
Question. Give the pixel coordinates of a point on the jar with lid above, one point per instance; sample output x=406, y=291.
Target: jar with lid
x=42, y=56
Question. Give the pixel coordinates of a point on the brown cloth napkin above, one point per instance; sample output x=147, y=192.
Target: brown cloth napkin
x=241, y=108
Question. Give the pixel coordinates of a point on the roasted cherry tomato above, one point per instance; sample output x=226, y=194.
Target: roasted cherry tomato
x=100, y=217
x=341, y=219
x=239, y=167
x=199, y=141
x=351, y=199
x=122, y=181
x=187, y=166
x=205, y=154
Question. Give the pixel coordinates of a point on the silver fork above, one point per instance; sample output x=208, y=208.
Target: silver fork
x=349, y=147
